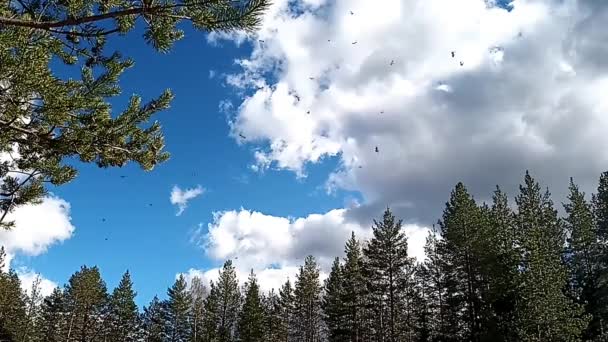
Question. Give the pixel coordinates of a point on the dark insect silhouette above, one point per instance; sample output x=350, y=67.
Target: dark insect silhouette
x=461, y=63
x=312, y=78
x=150, y=204
x=308, y=112
x=453, y=54
x=381, y=112
x=261, y=41
x=355, y=42
x=377, y=150
x=329, y=40
x=106, y=239
x=297, y=97
x=103, y=220
x=360, y=166
x=123, y=176
x=242, y=136
x=351, y=13
x=392, y=62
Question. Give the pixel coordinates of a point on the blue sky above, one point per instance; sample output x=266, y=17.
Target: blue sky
x=151, y=241
x=524, y=91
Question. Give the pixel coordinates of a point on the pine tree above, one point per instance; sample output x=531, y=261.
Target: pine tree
x=33, y=311
x=124, y=316
x=198, y=293
x=229, y=302
x=544, y=312
x=53, y=325
x=251, y=321
x=334, y=310
x=436, y=278
x=48, y=119
x=153, y=321
x=272, y=317
x=211, y=320
x=353, y=290
x=286, y=311
x=86, y=300
x=13, y=317
x=462, y=232
x=389, y=273
x=421, y=304
x=177, y=312
x=307, y=316
x=500, y=269
x=598, y=306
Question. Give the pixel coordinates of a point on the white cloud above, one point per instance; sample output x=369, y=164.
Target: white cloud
x=28, y=277
x=37, y=227
x=274, y=247
x=181, y=197
x=530, y=94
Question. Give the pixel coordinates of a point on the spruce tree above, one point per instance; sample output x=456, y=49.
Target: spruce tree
x=86, y=300
x=307, y=317
x=286, y=311
x=123, y=319
x=229, y=303
x=462, y=232
x=177, y=311
x=353, y=296
x=211, y=319
x=500, y=269
x=390, y=280
x=198, y=293
x=544, y=312
x=251, y=321
x=153, y=321
x=334, y=310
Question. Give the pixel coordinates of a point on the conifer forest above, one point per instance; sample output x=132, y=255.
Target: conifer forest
x=509, y=270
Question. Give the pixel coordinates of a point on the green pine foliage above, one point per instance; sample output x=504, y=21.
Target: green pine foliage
x=177, y=312
x=123, y=318
x=307, y=315
x=544, y=311
x=287, y=312
x=334, y=310
x=153, y=321
x=388, y=270
x=272, y=317
x=353, y=290
x=251, y=320
x=86, y=303
x=198, y=293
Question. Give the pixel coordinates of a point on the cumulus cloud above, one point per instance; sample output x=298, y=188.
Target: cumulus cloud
x=28, y=277
x=181, y=197
x=525, y=90
x=37, y=227
x=274, y=247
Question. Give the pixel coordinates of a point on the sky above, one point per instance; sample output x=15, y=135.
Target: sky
x=321, y=87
